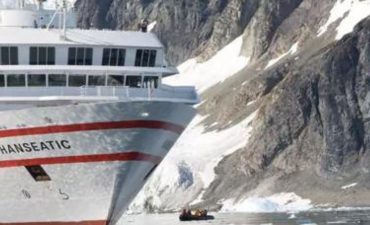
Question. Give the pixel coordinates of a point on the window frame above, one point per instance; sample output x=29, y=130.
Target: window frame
x=76, y=75
x=136, y=76
x=114, y=57
x=54, y=74
x=96, y=75
x=42, y=55
x=9, y=75
x=35, y=85
x=146, y=57
x=12, y=56
x=75, y=52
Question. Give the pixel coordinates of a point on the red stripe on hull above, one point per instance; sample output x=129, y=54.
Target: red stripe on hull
x=98, y=222
x=149, y=124
x=124, y=156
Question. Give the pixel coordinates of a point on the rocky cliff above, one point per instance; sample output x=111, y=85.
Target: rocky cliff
x=190, y=28
x=308, y=83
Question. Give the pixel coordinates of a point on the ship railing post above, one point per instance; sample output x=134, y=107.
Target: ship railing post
x=149, y=93
x=127, y=92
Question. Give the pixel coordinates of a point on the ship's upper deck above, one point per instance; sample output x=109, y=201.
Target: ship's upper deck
x=46, y=62
x=77, y=37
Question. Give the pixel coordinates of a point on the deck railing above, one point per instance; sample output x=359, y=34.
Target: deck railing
x=164, y=93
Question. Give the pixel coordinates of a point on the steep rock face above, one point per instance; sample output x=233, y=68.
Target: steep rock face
x=315, y=122
x=192, y=28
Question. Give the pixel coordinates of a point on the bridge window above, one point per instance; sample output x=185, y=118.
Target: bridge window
x=96, y=80
x=133, y=81
x=113, y=57
x=9, y=55
x=42, y=55
x=16, y=80
x=116, y=80
x=36, y=80
x=145, y=57
x=2, y=80
x=77, y=80
x=80, y=56
x=57, y=80
x=150, y=82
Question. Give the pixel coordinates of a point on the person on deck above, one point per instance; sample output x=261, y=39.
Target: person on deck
x=143, y=26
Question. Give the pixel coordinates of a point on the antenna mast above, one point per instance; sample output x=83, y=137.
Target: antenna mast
x=64, y=19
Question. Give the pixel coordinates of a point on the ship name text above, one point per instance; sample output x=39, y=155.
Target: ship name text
x=28, y=147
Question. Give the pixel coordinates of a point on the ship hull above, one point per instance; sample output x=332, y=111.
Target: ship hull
x=82, y=164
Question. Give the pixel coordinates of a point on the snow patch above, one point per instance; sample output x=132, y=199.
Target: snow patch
x=283, y=202
x=175, y=182
x=351, y=12
x=359, y=11
x=291, y=51
x=224, y=64
x=151, y=26
x=349, y=186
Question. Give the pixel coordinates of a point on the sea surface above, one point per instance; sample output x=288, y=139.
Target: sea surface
x=307, y=218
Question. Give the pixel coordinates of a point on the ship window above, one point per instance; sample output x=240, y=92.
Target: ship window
x=57, y=80
x=89, y=56
x=2, y=80
x=16, y=80
x=96, y=80
x=133, y=81
x=80, y=56
x=116, y=80
x=36, y=80
x=13, y=55
x=121, y=57
x=145, y=57
x=42, y=55
x=9, y=55
x=150, y=82
x=51, y=56
x=72, y=56
x=113, y=57
x=77, y=80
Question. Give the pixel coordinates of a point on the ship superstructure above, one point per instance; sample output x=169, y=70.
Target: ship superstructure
x=85, y=117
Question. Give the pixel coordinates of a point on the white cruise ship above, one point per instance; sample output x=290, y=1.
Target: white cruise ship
x=85, y=117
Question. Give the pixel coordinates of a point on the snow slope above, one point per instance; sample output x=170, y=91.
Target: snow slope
x=350, y=12
x=225, y=63
x=189, y=167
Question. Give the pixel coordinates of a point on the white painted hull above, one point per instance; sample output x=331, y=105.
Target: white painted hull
x=97, y=157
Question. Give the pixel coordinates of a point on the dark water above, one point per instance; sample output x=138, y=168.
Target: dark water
x=308, y=218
